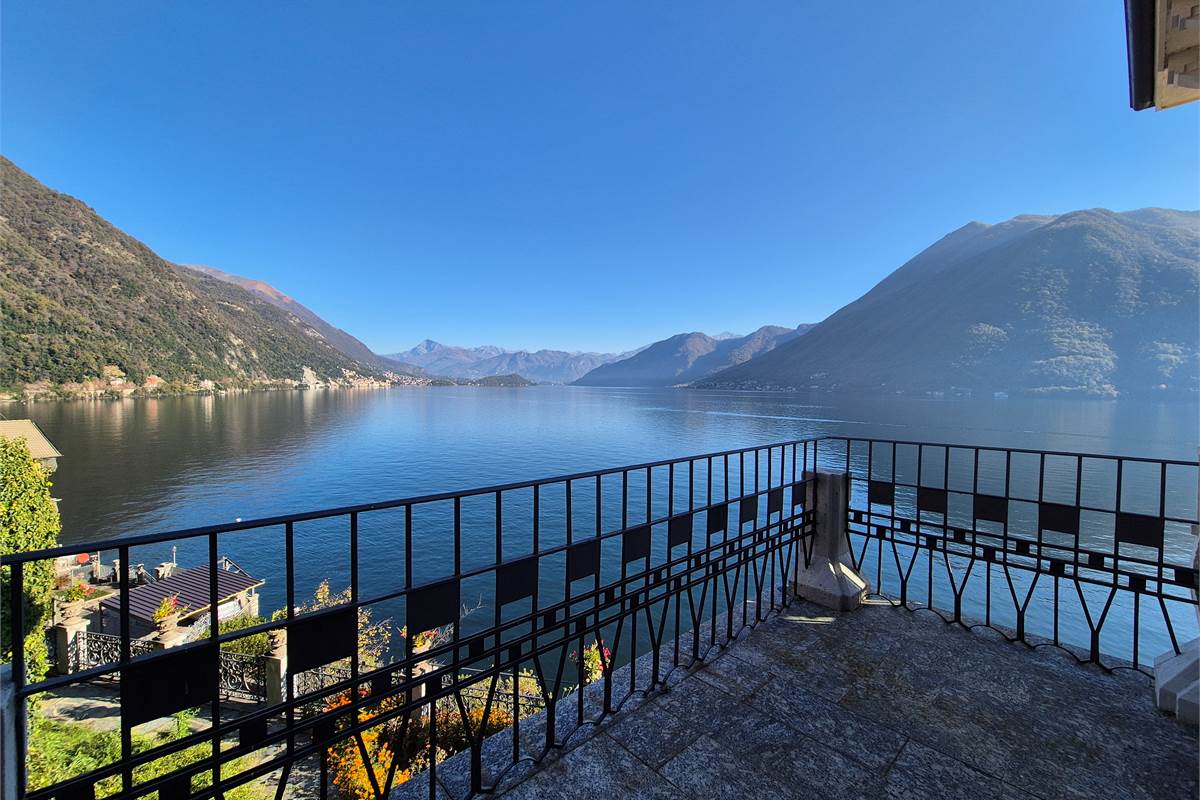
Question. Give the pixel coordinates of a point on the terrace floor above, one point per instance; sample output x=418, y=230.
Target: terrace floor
x=880, y=703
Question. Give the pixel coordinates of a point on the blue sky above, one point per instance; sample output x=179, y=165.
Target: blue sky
x=580, y=176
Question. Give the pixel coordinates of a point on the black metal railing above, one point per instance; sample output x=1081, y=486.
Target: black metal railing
x=1092, y=553
x=649, y=566
x=242, y=676
x=95, y=649
x=239, y=676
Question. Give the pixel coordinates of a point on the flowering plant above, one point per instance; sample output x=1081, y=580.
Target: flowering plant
x=78, y=591
x=170, y=605
x=422, y=641
x=595, y=657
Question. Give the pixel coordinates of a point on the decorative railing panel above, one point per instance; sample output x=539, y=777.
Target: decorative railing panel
x=642, y=569
x=243, y=676
x=96, y=649
x=1094, y=553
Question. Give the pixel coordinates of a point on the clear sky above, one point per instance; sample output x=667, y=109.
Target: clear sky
x=577, y=175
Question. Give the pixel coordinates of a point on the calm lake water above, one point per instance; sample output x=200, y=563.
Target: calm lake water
x=142, y=466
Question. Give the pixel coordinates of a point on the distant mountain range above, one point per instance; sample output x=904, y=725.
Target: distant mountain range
x=81, y=300
x=542, y=366
x=688, y=357
x=1092, y=303
x=441, y=359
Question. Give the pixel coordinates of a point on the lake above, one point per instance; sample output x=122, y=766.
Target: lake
x=149, y=465
x=140, y=466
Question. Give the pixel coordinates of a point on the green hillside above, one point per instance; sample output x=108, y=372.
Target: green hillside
x=76, y=294
x=687, y=357
x=1092, y=303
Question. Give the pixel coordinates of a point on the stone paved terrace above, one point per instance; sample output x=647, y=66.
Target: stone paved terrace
x=879, y=703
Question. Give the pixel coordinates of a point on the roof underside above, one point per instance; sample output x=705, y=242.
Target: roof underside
x=1140, y=43
x=1163, y=43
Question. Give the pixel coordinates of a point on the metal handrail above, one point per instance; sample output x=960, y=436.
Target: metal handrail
x=720, y=557
x=725, y=548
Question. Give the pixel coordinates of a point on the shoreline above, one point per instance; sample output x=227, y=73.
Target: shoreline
x=57, y=395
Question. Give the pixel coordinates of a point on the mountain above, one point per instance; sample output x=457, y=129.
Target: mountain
x=78, y=295
x=688, y=357
x=337, y=337
x=542, y=366
x=440, y=359
x=1092, y=302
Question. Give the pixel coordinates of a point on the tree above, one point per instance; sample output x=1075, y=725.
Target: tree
x=28, y=521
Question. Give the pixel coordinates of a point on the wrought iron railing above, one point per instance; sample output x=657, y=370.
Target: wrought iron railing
x=239, y=675
x=96, y=649
x=653, y=564
x=1093, y=553
x=472, y=683
x=242, y=676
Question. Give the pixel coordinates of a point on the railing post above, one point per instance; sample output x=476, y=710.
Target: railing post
x=66, y=642
x=830, y=580
x=276, y=668
x=8, y=733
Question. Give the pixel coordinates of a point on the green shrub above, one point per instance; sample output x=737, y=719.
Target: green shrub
x=256, y=644
x=28, y=521
x=59, y=751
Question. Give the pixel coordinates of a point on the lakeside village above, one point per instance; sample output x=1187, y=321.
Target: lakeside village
x=78, y=725
x=114, y=384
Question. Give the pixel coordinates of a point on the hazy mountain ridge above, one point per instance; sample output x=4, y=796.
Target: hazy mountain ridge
x=543, y=366
x=688, y=357
x=1090, y=302
x=77, y=294
x=440, y=359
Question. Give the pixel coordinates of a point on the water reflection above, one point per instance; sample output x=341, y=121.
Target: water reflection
x=142, y=465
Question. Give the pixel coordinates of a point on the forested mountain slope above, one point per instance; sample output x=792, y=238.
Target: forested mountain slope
x=77, y=294
x=1091, y=302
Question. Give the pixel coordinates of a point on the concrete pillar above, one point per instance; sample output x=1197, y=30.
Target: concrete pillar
x=171, y=638
x=8, y=733
x=1177, y=676
x=830, y=579
x=419, y=670
x=66, y=635
x=277, y=670
x=276, y=675
x=1177, y=682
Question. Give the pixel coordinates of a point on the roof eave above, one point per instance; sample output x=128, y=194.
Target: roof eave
x=1140, y=21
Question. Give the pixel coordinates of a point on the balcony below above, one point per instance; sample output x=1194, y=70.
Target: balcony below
x=877, y=703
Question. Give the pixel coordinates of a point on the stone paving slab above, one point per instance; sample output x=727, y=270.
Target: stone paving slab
x=879, y=703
